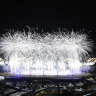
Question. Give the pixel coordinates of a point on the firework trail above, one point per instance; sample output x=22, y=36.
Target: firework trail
x=49, y=54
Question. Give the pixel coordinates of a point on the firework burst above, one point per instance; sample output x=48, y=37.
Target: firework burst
x=48, y=53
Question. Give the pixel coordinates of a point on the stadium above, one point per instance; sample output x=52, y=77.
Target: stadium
x=33, y=64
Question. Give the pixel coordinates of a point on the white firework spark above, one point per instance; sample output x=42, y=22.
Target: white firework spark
x=18, y=42
x=46, y=52
x=72, y=44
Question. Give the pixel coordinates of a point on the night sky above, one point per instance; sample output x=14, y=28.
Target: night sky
x=77, y=15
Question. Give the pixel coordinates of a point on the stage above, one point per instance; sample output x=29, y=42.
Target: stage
x=83, y=75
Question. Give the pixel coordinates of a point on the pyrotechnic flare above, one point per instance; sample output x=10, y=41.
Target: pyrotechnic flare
x=51, y=54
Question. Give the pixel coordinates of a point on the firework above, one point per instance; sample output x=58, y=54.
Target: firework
x=50, y=54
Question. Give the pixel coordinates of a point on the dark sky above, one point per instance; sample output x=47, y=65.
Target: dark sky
x=49, y=15
x=73, y=14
